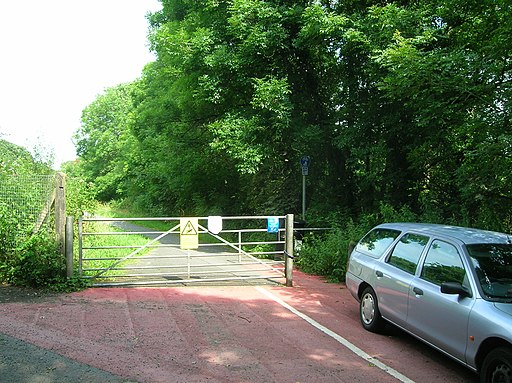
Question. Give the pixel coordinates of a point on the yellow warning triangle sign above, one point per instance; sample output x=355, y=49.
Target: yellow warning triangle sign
x=189, y=229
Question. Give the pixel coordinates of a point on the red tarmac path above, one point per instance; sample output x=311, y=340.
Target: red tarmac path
x=222, y=334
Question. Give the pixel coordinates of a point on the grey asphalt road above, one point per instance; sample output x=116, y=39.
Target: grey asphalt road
x=22, y=362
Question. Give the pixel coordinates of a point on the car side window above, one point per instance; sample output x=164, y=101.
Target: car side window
x=377, y=241
x=443, y=264
x=407, y=252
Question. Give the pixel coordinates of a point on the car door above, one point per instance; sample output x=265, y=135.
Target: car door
x=440, y=319
x=395, y=274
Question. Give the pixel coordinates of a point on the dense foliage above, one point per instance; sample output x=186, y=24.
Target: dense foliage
x=402, y=103
x=398, y=104
x=17, y=160
x=27, y=257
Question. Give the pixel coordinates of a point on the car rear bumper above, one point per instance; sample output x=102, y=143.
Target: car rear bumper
x=353, y=282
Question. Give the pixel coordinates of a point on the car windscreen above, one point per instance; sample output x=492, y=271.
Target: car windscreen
x=493, y=266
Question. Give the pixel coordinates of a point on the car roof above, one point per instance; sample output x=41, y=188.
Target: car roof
x=464, y=234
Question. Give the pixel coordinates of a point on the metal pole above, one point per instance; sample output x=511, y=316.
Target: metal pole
x=188, y=264
x=69, y=247
x=288, y=251
x=303, y=197
x=240, y=246
x=80, y=245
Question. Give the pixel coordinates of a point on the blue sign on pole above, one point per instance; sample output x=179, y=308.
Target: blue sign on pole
x=304, y=164
x=305, y=161
x=273, y=225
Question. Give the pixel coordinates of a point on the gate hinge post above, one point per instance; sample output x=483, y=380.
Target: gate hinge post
x=288, y=252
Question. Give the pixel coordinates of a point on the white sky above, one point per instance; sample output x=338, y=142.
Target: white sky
x=57, y=56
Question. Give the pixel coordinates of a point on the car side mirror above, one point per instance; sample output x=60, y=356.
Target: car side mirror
x=455, y=288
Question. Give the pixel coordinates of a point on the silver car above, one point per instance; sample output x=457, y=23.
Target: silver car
x=449, y=286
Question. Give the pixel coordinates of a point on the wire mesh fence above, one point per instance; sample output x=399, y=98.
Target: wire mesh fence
x=28, y=198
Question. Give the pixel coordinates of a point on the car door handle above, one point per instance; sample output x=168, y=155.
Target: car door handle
x=379, y=273
x=417, y=291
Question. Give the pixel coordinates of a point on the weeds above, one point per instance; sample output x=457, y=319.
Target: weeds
x=105, y=251
x=327, y=254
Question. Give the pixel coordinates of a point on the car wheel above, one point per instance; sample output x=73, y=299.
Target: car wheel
x=369, y=311
x=497, y=366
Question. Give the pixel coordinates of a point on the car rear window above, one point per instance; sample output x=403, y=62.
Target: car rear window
x=377, y=241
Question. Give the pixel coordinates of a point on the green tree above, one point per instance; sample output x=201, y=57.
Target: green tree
x=15, y=159
x=105, y=143
x=451, y=73
x=397, y=103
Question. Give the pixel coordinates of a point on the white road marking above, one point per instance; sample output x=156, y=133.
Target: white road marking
x=356, y=350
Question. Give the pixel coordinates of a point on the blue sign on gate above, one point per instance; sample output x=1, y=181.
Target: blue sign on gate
x=272, y=225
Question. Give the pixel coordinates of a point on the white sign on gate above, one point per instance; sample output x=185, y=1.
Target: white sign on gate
x=215, y=224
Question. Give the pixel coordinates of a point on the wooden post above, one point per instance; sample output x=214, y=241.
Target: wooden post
x=69, y=247
x=288, y=251
x=60, y=209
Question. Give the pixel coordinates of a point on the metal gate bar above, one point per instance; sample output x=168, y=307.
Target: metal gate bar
x=240, y=265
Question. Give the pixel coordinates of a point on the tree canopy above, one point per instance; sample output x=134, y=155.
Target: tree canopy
x=15, y=160
x=402, y=103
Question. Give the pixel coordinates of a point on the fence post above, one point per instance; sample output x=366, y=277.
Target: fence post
x=288, y=251
x=60, y=209
x=69, y=247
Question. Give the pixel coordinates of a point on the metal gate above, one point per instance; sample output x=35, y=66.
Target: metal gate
x=258, y=249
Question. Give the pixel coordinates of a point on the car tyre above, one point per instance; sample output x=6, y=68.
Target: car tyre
x=369, y=311
x=497, y=366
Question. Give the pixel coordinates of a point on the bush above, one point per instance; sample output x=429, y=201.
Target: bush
x=8, y=233
x=327, y=254
x=80, y=197
x=36, y=262
x=31, y=260
x=28, y=259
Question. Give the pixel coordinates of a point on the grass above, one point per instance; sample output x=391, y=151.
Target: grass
x=105, y=258
x=113, y=211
